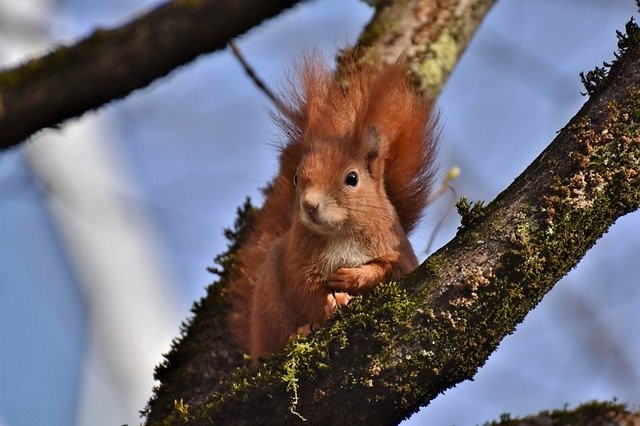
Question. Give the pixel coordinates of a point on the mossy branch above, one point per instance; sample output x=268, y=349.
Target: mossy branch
x=110, y=64
x=393, y=351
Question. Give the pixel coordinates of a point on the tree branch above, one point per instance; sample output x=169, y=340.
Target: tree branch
x=110, y=64
x=432, y=36
x=393, y=351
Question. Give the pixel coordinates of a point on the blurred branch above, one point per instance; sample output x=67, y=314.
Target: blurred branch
x=604, y=347
x=110, y=64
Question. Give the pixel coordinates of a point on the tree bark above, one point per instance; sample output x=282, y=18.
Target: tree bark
x=396, y=349
x=432, y=35
x=110, y=64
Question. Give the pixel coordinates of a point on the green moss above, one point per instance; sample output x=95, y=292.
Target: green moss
x=181, y=410
x=282, y=373
x=179, y=415
x=551, y=235
x=303, y=357
x=596, y=80
x=470, y=213
x=436, y=63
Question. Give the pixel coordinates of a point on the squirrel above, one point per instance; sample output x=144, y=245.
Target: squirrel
x=356, y=170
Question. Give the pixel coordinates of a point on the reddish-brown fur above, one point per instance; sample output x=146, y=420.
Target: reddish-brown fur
x=314, y=243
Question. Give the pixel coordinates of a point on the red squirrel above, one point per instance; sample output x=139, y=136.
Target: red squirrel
x=355, y=174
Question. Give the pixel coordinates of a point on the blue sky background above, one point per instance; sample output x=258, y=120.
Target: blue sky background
x=197, y=142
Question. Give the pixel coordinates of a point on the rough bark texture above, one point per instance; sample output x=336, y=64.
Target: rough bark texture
x=204, y=355
x=393, y=351
x=109, y=64
x=431, y=34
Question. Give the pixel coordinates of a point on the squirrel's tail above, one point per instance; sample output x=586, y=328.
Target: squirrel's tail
x=409, y=130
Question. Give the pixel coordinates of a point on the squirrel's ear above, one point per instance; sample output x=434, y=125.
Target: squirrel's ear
x=373, y=149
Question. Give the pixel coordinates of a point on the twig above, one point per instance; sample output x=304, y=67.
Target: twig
x=453, y=173
x=252, y=74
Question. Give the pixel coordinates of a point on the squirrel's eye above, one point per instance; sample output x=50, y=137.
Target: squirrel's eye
x=295, y=179
x=351, y=179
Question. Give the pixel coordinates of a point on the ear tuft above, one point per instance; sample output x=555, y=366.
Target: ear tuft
x=373, y=147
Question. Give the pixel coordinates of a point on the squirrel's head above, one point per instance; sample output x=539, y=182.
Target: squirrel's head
x=339, y=184
x=383, y=127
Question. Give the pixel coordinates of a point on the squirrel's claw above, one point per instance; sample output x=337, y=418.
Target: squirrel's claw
x=334, y=300
x=341, y=298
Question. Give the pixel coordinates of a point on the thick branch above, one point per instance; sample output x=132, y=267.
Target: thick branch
x=431, y=34
x=109, y=64
x=395, y=350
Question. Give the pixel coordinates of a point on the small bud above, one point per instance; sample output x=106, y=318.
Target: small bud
x=453, y=173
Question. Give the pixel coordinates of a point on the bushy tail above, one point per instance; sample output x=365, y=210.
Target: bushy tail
x=410, y=131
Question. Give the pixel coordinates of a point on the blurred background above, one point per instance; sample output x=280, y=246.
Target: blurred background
x=108, y=224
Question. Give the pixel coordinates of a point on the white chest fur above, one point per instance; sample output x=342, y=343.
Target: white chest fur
x=344, y=254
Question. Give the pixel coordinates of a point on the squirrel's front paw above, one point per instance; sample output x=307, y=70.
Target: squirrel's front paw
x=354, y=280
x=341, y=298
x=334, y=300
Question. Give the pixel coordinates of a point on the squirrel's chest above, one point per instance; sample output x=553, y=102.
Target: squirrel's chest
x=344, y=254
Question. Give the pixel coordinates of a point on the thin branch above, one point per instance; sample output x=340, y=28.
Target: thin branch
x=248, y=69
x=450, y=204
x=452, y=174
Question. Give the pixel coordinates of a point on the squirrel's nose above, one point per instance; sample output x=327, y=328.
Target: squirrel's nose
x=310, y=206
x=311, y=202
